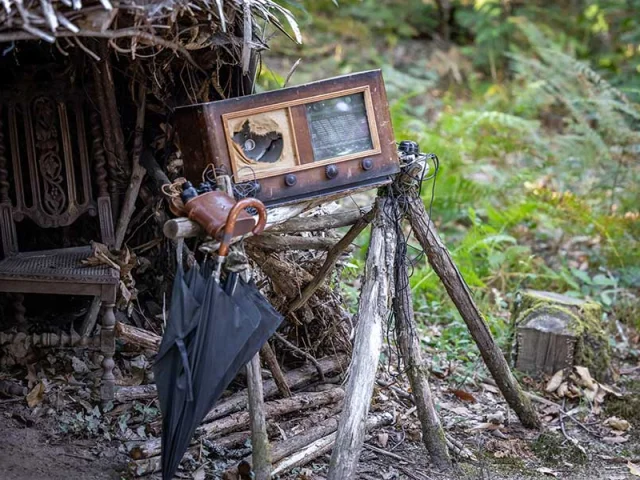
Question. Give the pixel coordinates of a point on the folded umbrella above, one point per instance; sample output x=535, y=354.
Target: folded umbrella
x=210, y=335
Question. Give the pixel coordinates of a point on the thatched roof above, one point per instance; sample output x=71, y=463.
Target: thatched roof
x=129, y=25
x=193, y=39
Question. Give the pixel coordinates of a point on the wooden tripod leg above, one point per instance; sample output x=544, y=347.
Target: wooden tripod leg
x=406, y=333
x=442, y=263
x=372, y=312
x=261, y=454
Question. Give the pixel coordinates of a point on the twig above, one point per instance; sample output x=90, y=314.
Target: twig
x=86, y=49
x=331, y=260
x=566, y=435
x=32, y=33
x=306, y=355
x=395, y=456
x=291, y=70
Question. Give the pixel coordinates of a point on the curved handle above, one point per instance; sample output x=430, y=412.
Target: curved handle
x=230, y=225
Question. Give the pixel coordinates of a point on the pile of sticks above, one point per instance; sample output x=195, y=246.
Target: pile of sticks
x=226, y=428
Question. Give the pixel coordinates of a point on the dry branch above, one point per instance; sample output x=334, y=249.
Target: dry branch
x=90, y=319
x=226, y=426
x=269, y=357
x=331, y=260
x=323, y=445
x=259, y=438
x=137, y=173
x=442, y=263
x=284, y=243
x=138, y=392
x=138, y=336
x=274, y=408
x=372, y=312
x=407, y=337
x=238, y=401
x=321, y=223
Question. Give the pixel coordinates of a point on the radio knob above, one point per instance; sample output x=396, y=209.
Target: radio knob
x=331, y=171
x=367, y=164
x=290, y=180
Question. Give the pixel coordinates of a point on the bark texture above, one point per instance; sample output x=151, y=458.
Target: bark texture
x=372, y=312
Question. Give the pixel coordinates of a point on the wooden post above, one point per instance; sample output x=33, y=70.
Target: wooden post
x=442, y=263
x=259, y=440
x=406, y=333
x=372, y=312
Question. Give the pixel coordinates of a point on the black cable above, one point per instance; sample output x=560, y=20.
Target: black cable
x=401, y=210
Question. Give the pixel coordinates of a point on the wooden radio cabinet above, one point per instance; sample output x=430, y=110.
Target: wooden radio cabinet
x=295, y=143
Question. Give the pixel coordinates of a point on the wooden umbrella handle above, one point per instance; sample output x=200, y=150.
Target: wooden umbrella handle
x=230, y=225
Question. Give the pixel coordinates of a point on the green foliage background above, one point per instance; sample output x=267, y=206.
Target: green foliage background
x=532, y=108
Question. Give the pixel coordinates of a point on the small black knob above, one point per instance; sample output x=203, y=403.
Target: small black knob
x=367, y=164
x=290, y=180
x=409, y=147
x=331, y=171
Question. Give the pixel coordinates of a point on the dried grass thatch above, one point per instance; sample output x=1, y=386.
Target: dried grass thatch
x=206, y=34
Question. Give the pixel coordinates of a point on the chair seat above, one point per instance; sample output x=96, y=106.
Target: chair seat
x=61, y=265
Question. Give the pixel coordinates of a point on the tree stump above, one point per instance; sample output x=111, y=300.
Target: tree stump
x=554, y=331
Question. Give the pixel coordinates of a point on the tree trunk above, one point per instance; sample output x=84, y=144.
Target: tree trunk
x=442, y=263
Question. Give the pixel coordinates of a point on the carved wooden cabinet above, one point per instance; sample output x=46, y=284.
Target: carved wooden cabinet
x=53, y=171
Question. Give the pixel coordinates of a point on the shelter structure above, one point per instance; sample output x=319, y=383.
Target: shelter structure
x=87, y=91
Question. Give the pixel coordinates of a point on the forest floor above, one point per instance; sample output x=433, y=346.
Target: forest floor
x=591, y=440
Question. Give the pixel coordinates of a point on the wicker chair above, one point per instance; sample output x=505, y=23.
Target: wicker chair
x=52, y=164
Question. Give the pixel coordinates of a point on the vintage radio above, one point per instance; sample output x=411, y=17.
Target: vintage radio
x=295, y=143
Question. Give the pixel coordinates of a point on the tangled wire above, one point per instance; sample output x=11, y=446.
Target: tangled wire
x=415, y=170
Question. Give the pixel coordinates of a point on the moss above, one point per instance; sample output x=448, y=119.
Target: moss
x=592, y=346
x=553, y=448
x=627, y=407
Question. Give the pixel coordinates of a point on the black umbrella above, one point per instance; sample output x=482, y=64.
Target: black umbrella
x=213, y=331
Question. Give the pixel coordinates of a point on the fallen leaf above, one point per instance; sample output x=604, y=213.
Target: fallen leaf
x=590, y=394
x=36, y=395
x=600, y=395
x=562, y=389
x=547, y=471
x=585, y=379
x=199, y=474
x=555, y=381
x=490, y=388
x=497, y=418
x=78, y=365
x=617, y=424
x=610, y=390
x=633, y=469
x=615, y=440
x=383, y=439
x=463, y=395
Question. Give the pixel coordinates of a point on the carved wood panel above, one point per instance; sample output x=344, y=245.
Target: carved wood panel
x=47, y=161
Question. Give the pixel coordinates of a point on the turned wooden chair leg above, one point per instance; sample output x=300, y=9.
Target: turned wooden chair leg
x=19, y=310
x=107, y=347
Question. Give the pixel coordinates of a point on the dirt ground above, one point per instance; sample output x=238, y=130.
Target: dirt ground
x=32, y=451
x=35, y=449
